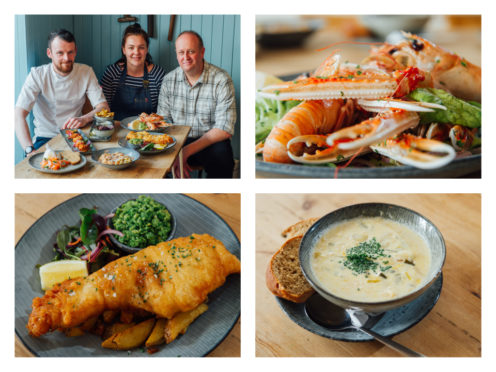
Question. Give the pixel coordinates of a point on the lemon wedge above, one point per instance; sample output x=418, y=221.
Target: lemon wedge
x=58, y=271
x=158, y=147
x=135, y=124
x=263, y=79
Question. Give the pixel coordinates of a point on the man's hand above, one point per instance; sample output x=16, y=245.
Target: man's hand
x=81, y=121
x=74, y=123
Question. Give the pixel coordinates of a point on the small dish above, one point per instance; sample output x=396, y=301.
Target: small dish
x=128, y=249
x=404, y=216
x=106, y=116
x=130, y=152
x=102, y=131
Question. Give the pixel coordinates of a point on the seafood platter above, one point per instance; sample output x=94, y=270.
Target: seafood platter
x=410, y=109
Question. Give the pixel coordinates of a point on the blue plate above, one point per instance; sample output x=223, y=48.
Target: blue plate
x=392, y=322
x=35, y=247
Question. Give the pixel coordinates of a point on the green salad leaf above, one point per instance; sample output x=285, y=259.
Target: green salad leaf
x=458, y=111
x=268, y=112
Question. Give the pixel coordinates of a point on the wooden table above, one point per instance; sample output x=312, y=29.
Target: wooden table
x=147, y=166
x=30, y=207
x=289, y=61
x=452, y=328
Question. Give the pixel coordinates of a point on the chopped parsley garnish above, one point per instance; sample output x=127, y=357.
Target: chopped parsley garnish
x=362, y=258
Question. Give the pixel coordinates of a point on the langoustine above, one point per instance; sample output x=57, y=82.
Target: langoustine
x=390, y=72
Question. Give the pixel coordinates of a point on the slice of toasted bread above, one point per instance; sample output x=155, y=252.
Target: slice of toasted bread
x=299, y=228
x=284, y=277
x=71, y=156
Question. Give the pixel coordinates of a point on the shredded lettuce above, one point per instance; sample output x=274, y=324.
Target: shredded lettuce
x=458, y=111
x=268, y=112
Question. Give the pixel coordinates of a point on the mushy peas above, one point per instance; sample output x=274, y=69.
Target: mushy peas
x=370, y=259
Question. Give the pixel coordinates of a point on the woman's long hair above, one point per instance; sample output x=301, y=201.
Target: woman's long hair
x=135, y=29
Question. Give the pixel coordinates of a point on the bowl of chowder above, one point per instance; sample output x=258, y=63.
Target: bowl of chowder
x=374, y=257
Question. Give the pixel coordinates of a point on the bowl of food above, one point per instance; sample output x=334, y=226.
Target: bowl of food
x=116, y=157
x=103, y=115
x=102, y=129
x=373, y=257
x=142, y=222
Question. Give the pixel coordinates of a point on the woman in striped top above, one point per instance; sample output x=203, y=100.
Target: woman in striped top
x=132, y=84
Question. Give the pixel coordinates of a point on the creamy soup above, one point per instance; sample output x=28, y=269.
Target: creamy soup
x=370, y=259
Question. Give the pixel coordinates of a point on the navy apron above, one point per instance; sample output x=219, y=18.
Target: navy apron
x=132, y=101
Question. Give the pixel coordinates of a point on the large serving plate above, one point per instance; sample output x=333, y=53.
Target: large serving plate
x=126, y=121
x=35, y=162
x=35, y=247
x=124, y=143
x=468, y=166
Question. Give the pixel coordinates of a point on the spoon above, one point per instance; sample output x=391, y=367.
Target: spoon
x=336, y=318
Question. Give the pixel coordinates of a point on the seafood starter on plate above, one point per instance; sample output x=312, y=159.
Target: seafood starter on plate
x=413, y=103
x=149, y=122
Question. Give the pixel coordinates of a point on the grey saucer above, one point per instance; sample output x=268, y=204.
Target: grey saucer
x=392, y=322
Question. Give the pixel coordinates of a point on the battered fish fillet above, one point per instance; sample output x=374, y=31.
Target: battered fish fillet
x=165, y=279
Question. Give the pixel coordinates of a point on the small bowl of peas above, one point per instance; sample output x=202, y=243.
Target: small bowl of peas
x=143, y=222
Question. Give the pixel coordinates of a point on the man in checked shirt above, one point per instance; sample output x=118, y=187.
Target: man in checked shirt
x=201, y=96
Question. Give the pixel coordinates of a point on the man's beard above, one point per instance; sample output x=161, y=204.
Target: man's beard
x=64, y=67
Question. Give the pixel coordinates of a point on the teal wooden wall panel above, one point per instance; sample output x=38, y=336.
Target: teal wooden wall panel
x=99, y=38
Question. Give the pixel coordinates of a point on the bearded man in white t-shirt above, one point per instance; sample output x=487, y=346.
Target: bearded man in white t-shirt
x=56, y=92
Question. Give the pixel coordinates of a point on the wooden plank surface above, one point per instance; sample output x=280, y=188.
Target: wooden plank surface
x=452, y=328
x=30, y=207
x=306, y=58
x=147, y=166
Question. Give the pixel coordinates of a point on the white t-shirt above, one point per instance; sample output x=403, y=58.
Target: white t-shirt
x=55, y=98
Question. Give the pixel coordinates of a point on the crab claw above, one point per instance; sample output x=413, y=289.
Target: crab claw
x=313, y=149
x=374, y=130
x=418, y=152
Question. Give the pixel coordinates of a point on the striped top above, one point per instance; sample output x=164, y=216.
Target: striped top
x=112, y=74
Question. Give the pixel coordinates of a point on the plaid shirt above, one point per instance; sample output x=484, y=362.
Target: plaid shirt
x=210, y=103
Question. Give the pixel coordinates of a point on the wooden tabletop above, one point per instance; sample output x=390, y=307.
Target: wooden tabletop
x=452, y=328
x=305, y=58
x=147, y=166
x=30, y=207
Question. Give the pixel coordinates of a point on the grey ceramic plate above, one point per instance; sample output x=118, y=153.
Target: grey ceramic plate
x=457, y=168
x=35, y=247
x=126, y=121
x=129, y=152
x=124, y=143
x=71, y=144
x=35, y=161
x=469, y=166
x=393, y=322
